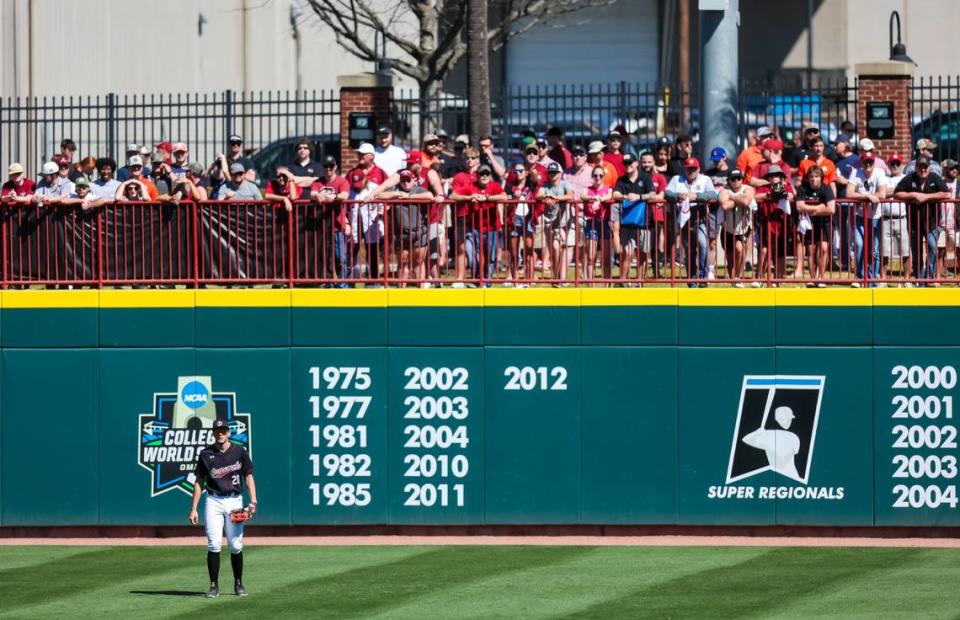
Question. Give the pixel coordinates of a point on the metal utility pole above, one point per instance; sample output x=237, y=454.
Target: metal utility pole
x=719, y=35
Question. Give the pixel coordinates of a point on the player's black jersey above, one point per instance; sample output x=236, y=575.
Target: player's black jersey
x=223, y=472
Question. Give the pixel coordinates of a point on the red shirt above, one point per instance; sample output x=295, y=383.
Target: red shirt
x=273, y=189
x=561, y=155
x=760, y=170
x=617, y=160
x=375, y=174
x=486, y=217
x=463, y=184
x=771, y=213
x=26, y=188
x=597, y=210
x=336, y=185
x=660, y=185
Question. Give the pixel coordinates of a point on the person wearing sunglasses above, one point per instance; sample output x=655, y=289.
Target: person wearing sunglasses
x=519, y=222
x=135, y=166
x=596, y=228
x=305, y=169
x=329, y=192
x=482, y=236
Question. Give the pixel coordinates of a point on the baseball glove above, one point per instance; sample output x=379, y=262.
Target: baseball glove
x=240, y=515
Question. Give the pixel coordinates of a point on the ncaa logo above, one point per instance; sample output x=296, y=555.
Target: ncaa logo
x=776, y=426
x=194, y=395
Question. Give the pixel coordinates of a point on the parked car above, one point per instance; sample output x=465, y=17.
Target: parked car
x=944, y=129
x=266, y=159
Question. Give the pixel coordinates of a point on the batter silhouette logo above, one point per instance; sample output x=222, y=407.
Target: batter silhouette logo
x=180, y=426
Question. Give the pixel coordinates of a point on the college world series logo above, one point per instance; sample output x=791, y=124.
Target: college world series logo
x=776, y=430
x=172, y=436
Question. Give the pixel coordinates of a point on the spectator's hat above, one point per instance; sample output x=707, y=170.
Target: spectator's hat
x=431, y=137
x=774, y=171
x=528, y=141
x=811, y=128
x=923, y=162
x=866, y=144
x=406, y=175
x=926, y=144
x=329, y=160
x=691, y=163
x=157, y=159
x=949, y=164
x=664, y=141
x=180, y=146
x=166, y=146
x=736, y=174
x=484, y=168
x=357, y=176
x=15, y=168
x=237, y=168
x=235, y=137
x=773, y=145
x=82, y=181
x=145, y=150
x=384, y=130
x=868, y=156
x=61, y=160
x=541, y=142
x=595, y=147
x=764, y=131
x=629, y=159
x=555, y=131
x=442, y=133
x=463, y=139
x=49, y=168
x=133, y=148
x=414, y=157
x=614, y=135
x=841, y=137
x=554, y=168
x=578, y=150
x=195, y=168
x=366, y=149
x=718, y=153
x=895, y=157
x=135, y=160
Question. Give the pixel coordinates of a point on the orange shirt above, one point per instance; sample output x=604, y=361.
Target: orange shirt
x=610, y=177
x=748, y=161
x=151, y=188
x=829, y=170
x=427, y=162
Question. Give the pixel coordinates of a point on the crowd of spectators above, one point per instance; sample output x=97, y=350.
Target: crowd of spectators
x=809, y=209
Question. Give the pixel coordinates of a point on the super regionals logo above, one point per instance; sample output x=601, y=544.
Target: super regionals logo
x=180, y=426
x=776, y=430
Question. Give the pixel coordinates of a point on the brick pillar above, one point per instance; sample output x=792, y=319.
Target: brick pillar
x=887, y=81
x=366, y=92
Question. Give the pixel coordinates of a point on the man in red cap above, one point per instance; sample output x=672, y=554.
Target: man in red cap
x=687, y=195
x=165, y=149
x=772, y=150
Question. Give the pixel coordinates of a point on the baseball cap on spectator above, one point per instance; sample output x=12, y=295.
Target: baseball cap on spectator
x=195, y=168
x=868, y=156
x=718, y=153
x=237, y=168
x=555, y=131
x=180, y=146
x=82, y=181
x=384, y=129
x=366, y=149
x=614, y=134
x=735, y=174
x=133, y=148
x=431, y=137
x=764, y=131
x=554, y=168
x=414, y=157
x=135, y=160
x=357, y=176
x=923, y=162
x=527, y=141
x=690, y=163
x=166, y=146
x=773, y=145
x=664, y=141
x=145, y=150
x=866, y=144
x=157, y=159
x=895, y=157
x=541, y=142
x=235, y=137
x=841, y=137
x=49, y=168
x=15, y=168
x=463, y=139
x=61, y=160
x=329, y=160
x=442, y=133
x=811, y=128
x=595, y=147
x=578, y=150
x=949, y=164
x=774, y=171
x=484, y=168
x=924, y=144
x=629, y=159
x=531, y=148
x=406, y=175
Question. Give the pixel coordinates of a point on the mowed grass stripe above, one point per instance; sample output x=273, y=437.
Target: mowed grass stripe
x=762, y=585
x=365, y=591
x=17, y=557
x=566, y=587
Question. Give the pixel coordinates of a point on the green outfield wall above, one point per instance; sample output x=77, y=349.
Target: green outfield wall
x=553, y=406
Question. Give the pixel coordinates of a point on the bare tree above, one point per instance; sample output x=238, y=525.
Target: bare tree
x=427, y=38
x=478, y=70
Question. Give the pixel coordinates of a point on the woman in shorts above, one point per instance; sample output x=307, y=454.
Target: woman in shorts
x=815, y=200
x=519, y=223
x=596, y=228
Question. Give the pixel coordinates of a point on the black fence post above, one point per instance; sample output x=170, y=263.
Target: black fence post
x=112, y=125
x=227, y=114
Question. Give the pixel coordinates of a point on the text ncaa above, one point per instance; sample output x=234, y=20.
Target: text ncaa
x=180, y=426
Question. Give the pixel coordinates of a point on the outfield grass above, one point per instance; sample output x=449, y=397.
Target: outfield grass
x=485, y=582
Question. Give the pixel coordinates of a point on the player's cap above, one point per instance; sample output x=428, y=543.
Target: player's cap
x=220, y=423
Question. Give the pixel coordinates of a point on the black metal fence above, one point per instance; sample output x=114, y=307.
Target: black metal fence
x=31, y=129
x=935, y=105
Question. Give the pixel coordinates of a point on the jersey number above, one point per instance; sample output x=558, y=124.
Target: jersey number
x=235, y=479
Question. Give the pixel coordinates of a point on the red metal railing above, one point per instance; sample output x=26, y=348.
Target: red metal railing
x=510, y=243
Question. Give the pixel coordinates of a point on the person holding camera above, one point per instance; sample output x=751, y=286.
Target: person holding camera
x=774, y=201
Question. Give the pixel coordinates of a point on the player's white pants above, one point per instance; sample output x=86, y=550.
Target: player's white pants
x=216, y=517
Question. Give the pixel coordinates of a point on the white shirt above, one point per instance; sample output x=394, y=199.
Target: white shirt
x=391, y=159
x=366, y=216
x=893, y=209
x=860, y=184
x=680, y=185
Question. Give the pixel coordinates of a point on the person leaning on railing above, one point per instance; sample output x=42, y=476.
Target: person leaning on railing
x=774, y=209
x=738, y=205
x=410, y=226
x=18, y=190
x=149, y=190
x=816, y=204
x=282, y=189
x=688, y=196
x=105, y=185
x=868, y=184
x=520, y=219
x=922, y=190
x=191, y=183
x=52, y=188
x=633, y=235
x=556, y=195
x=595, y=201
x=238, y=187
x=329, y=192
x=82, y=196
x=894, y=233
x=947, y=224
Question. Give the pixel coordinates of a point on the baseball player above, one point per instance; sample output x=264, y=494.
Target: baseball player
x=222, y=470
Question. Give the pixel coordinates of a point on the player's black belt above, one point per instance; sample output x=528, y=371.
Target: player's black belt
x=218, y=496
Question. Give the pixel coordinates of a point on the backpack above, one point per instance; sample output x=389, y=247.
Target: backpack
x=634, y=213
